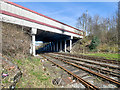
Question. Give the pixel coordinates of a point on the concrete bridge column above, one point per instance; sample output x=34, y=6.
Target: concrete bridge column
x=71, y=43
x=34, y=31
x=65, y=45
x=57, y=47
x=33, y=45
x=54, y=47
x=45, y=48
x=60, y=46
x=51, y=46
x=48, y=47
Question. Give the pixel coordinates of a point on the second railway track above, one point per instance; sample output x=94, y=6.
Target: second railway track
x=92, y=58
x=83, y=63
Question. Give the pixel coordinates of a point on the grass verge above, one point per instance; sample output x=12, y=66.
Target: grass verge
x=33, y=74
x=105, y=55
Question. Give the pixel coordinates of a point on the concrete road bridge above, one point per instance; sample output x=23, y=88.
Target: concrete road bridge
x=43, y=28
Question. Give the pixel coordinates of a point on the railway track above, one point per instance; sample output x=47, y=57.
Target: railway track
x=86, y=70
x=96, y=68
x=85, y=83
x=92, y=58
x=113, y=66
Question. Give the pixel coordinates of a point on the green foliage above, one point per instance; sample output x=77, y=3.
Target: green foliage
x=40, y=76
x=33, y=74
x=5, y=81
x=94, y=43
x=19, y=62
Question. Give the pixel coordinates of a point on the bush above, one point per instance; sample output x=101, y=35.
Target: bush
x=108, y=48
x=94, y=43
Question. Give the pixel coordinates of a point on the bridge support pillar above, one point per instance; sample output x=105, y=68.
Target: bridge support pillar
x=71, y=43
x=60, y=46
x=34, y=31
x=54, y=47
x=65, y=45
x=33, y=44
x=51, y=46
x=48, y=47
x=57, y=47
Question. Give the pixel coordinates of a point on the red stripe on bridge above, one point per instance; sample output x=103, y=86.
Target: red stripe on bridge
x=35, y=21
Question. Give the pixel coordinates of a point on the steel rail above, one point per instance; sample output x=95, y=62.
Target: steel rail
x=71, y=60
x=94, y=73
x=96, y=68
x=103, y=65
x=85, y=83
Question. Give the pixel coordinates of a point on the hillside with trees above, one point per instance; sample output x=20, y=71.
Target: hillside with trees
x=101, y=34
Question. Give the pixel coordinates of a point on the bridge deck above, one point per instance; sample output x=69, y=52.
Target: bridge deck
x=14, y=13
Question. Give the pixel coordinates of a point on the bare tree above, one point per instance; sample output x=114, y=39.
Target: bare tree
x=104, y=28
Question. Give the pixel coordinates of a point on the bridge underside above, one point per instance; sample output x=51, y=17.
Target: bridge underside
x=54, y=42
x=46, y=36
